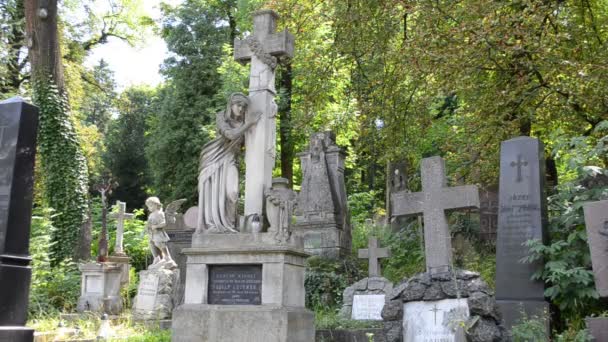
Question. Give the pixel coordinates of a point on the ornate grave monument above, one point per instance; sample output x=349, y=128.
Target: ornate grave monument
x=365, y=299
x=180, y=237
x=522, y=216
x=322, y=218
x=437, y=304
x=119, y=256
x=158, y=285
x=245, y=279
x=596, y=222
x=18, y=127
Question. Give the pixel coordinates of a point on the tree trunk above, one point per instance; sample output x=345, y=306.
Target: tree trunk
x=285, y=133
x=43, y=40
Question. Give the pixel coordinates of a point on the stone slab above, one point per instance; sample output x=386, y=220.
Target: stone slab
x=521, y=217
x=147, y=292
x=236, y=323
x=368, y=307
x=435, y=320
x=327, y=242
x=235, y=284
x=598, y=328
x=596, y=222
x=511, y=311
x=16, y=334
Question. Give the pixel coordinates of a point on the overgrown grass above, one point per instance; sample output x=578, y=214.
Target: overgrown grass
x=330, y=319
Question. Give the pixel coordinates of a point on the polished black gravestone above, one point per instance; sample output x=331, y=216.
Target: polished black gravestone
x=522, y=216
x=235, y=284
x=18, y=126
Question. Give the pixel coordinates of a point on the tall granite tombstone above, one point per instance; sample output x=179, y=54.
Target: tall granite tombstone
x=322, y=217
x=18, y=126
x=522, y=216
x=596, y=222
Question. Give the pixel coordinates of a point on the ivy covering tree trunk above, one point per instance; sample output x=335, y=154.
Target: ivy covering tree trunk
x=63, y=164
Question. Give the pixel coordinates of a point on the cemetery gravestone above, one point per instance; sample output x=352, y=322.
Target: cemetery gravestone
x=322, y=217
x=100, y=287
x=441, y=320
x=521, y=217
x=18, y=127
x=180, y=237
x=119, y=257
x=432, y=202
x=365, y=299
x=396, y=181
x=596, y=222
x=488, y=214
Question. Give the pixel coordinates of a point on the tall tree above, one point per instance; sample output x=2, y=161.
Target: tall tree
x=12, y=42
x=63, y=164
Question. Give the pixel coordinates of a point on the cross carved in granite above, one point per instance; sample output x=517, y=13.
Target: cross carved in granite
x=373, y=254
x=120, y=217
x=432, y=203
x=261, y=48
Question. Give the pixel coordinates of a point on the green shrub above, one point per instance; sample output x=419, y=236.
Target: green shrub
x=326, y=279
x=530, y=329
x=330, y=319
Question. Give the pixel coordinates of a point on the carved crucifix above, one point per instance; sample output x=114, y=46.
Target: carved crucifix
x=261, y=48
x=373, y=254
x=520, y=162
x=432, y=202
x=120, y=216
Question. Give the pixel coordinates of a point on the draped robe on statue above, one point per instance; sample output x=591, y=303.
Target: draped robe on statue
x=218, y=180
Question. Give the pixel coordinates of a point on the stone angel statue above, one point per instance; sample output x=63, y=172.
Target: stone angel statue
x=157, y=237
x=172, y=212
x=218, y=179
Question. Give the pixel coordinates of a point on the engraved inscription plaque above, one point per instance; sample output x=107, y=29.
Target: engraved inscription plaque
x=235, y=284
x=147, y=292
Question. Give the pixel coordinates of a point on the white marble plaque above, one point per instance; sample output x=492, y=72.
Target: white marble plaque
x=146, y=292
x=367, y=307
x=436, y=321
x=93, y=284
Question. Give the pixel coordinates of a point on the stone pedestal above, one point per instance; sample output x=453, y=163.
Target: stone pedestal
x=156, y=293
x=180, y=239
x=328, y=242
x=124, y=262
x=244, y=287
x=100, y=288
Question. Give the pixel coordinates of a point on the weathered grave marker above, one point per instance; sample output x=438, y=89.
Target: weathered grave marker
x=441, y=320
x=521, y=217
x=18, y=127
x=432, y=202
x=373, y=254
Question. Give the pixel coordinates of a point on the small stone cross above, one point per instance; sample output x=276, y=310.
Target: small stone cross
x=121, y=216
x=435, y=309
x=432, y=202
x=373, y=253
x=520, y=162
x=261, y=48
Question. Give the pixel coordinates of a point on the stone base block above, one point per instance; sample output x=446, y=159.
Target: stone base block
x=511, y=311
x=16, y=334
x=598, y=328
x=328, y=242
x=237, y=323
x=100, y=288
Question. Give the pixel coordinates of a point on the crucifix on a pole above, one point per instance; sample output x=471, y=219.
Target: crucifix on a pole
x=120, y=217
x=373, y=253
x=261, y=48
x=432, y=203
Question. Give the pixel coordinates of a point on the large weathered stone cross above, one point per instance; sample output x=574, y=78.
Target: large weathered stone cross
x=373, y=253
x=432, y=202
x=262, y=48
x=120, y=216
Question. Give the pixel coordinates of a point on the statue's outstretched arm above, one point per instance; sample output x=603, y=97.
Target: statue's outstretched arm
x=234, y=133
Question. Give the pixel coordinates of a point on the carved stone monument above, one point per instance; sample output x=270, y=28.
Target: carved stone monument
x=488, y=214
x=322, y=217
x=596, y=222
x=365, y=299
x=119, y=256
x=396, y=181
x=442, y=301
x=522, y=216
x=180, y=237
x=100, y=288
x=245, y=279
x=159, y=284
x=18, y=127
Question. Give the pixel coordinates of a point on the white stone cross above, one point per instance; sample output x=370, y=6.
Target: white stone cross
x=373, y=253
x=262, y=48
x=432, y=202
x=121, y=216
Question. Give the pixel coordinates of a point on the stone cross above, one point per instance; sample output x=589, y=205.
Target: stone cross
x=261, y=48
x=373, y=253
x=432, y=202
x=120, y=217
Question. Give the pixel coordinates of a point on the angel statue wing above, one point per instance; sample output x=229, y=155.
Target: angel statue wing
x=172, y=209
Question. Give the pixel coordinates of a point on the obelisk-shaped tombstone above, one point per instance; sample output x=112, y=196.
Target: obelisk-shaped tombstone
x=596, y=222
x=18, y=126
x=521, y=217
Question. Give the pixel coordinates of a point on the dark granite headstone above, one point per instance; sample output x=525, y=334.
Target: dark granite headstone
x=18, y=126
x=521, y=217
x=178, y=240
x=235, y=284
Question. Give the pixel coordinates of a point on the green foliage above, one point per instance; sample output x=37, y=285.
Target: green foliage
x=326, y=279
x=567, y=269
x=64, y=167
x=52, y=289
x=530, y=329
x=330, y=319
x=573, y=335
